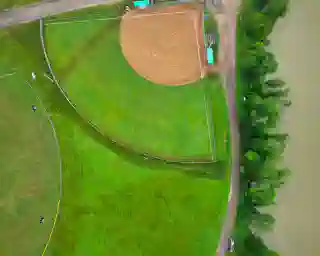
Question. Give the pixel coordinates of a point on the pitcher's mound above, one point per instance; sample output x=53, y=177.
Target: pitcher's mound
x=165, y=44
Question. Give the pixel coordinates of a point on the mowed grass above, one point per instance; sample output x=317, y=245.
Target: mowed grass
x=29, y=164
x=170, y=121
x=113, y=207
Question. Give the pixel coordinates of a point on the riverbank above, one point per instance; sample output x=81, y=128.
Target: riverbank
x=295, y=43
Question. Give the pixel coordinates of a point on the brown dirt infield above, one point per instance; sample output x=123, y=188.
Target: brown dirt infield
x=165, y=45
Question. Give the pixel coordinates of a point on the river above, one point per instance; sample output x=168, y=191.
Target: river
x=295, y=42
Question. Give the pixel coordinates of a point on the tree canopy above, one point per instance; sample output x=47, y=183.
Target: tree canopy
x=261, y=102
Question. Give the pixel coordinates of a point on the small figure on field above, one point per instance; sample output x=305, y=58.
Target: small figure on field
x=41, y=219
x=126, y=9
x=33, y=76
x=34, y=108
x=230, y=247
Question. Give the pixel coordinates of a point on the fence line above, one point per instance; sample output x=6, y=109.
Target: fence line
x=55, y=18
x=81, y=21
x=95, y=127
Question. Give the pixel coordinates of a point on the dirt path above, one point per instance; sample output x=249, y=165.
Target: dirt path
x=33, y=12
x=226, y=19
x=295, y=42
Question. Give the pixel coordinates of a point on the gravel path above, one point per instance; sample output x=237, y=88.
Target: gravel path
x=230, y=82
x=28, y=13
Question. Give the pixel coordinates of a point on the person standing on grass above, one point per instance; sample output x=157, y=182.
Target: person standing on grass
x=33, y=74
x=126, y=9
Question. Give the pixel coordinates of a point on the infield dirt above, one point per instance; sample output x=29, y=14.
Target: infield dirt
x=165, y=45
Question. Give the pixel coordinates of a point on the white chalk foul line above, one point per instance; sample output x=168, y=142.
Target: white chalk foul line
x=198, y=46
x=50, y=22
x=154, y=14
x=6, y=75
x=81, y=21
x=45, y=75
x=208, y=125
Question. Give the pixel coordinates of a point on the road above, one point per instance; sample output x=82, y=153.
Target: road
x=226, y=19
x=32, y=12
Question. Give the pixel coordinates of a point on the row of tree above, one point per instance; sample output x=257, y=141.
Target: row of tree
x=261, y=101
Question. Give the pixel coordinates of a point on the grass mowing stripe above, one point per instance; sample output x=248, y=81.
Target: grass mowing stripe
x=52, y=230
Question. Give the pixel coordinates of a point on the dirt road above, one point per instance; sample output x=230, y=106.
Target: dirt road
x=28, y=13
x=295, y=43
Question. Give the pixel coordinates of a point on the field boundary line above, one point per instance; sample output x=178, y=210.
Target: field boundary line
x=52, y=230
x=49, y=64
x=81, y=21
x=146, y=156
x=208, y=127
x=60, y=166
x=153, y=14
x=8, y=74
x=211, y=128
x=74, y=20
x=198, y=46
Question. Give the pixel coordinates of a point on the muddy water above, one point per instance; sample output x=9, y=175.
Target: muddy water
x=296, y=43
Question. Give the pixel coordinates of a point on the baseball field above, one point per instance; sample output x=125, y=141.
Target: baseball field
x=109, y=205
x=150, y=117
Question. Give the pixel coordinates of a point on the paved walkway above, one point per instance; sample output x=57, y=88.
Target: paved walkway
x=28, y=13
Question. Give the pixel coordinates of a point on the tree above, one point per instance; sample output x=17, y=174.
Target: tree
x=255, y=25
x=262, y=221
x=275, y=9
x=275, y=83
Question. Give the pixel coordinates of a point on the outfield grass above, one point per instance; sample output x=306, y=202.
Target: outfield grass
x=29, y=163
x=153, y=118
x=111, y=206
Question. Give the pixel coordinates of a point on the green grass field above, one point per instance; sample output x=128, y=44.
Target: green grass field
x=29, y=163
x=111, y=206
x=152, y=118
